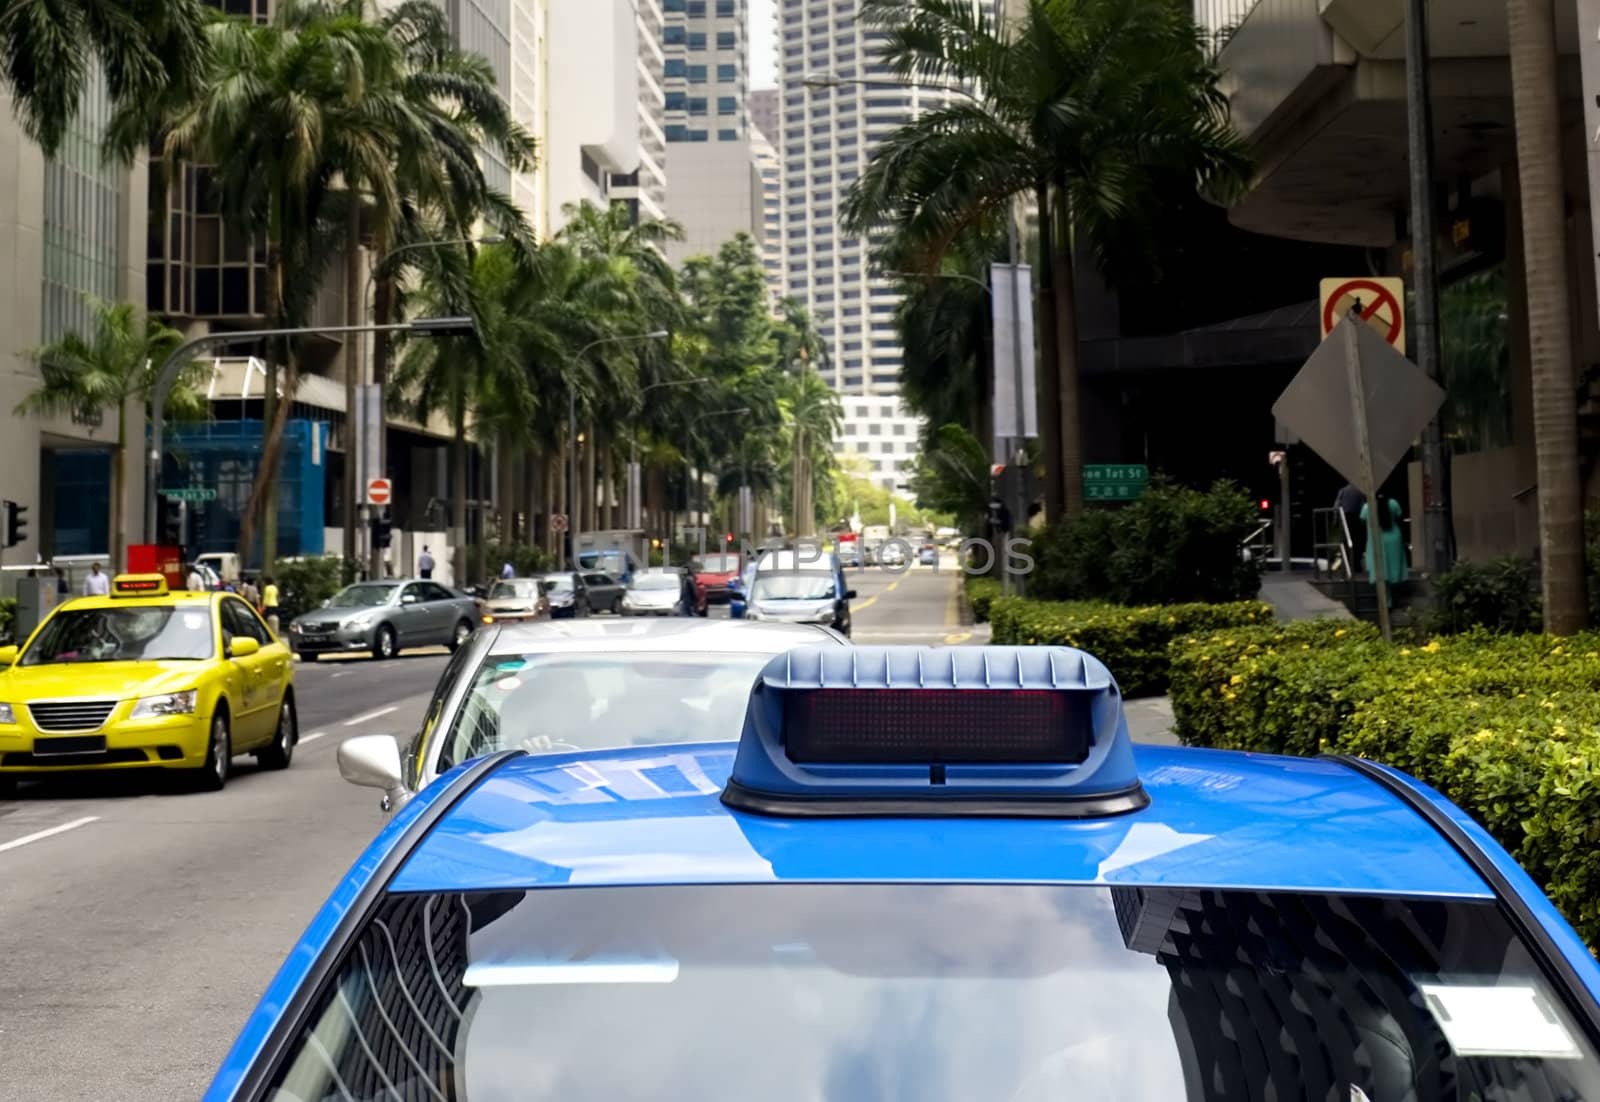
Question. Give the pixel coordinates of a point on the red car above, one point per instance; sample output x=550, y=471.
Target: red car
x=712, y=573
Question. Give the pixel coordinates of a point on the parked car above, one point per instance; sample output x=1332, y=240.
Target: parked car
x=516, y=599
x=658, y=592
x=385, y=618
x=566, y=594
x=605, y=591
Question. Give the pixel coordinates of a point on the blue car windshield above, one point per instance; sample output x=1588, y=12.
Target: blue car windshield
x=938, y=993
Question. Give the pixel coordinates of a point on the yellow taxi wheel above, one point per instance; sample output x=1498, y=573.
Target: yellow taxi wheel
x=279, y=754
x=211, y=776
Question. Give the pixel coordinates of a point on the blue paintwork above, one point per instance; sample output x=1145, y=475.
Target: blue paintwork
x=1217, y=819
x=1522, y=885
x=303, y=957
x=763, y=766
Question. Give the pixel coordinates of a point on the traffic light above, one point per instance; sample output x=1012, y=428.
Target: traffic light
x=170, y=529
x=728, y=538
x=16, y=523
x=999, y=515
x=382, y=528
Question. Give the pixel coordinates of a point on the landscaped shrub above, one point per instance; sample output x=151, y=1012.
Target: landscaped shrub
x=1132, y=642
x=1501, y=596
x=1174, y=545
x=525, y=559
x=1506, y=726
x=981, y=590
x=303, y=584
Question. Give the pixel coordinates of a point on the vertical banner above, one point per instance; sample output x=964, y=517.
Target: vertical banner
x=746, y=510
x=635, y=504
x=1589, y=58
x=1012, y=319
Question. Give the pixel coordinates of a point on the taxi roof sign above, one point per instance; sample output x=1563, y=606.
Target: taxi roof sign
x=935, y=732
x=139, y=585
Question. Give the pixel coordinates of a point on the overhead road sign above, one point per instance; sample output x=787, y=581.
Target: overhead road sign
x=1380, y=300
x=1115, y=481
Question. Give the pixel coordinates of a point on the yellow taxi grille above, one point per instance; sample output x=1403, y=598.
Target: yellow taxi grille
x=70, y=715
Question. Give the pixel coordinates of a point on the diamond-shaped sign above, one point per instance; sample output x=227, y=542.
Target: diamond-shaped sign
x=1400, y=401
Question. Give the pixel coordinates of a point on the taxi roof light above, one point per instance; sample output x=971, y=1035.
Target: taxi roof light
x=139, y=585
x=935, y=732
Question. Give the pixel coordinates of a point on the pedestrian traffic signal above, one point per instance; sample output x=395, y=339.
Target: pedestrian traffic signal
x=382, y=530
x=15, y=523
x=170, y=531
x=728, y=538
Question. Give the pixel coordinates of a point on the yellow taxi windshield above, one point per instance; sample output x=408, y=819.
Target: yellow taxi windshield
x=136, y=633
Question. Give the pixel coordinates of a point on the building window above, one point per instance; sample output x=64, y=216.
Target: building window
x=673, y=5
x=675, y=35
x=677, y=132
x=727, y=105
x=677, y=101
x=726, y=74
x=874, y=429
x=886, y=411
x=697, y=9
x=697, y=105
x=730, y=136
x=900, y=429
x=724, y=8
x=697, y=135
x=697, y=40
x=886, y=448
x=675, y=67
x=697, y=74
x=725, y=40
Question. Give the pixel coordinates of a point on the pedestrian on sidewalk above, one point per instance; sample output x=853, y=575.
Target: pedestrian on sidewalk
x=269, y=602
x=1351, y=502
x=1390, y=553
x=508, y=571
x=96, y=584
x=425, y=563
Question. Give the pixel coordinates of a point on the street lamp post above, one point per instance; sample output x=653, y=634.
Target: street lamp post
x=357, y=431
x=167, y=374
x=634, y=519
x=572, y=432
x=688, y=463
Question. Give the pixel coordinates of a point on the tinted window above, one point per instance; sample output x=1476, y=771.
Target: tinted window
x=599, y=579
x=362, y=596
x=559, y=583
x=505, y=591
x=412, y=592
x=240, y=620
x=943, y=993
x=434, y=592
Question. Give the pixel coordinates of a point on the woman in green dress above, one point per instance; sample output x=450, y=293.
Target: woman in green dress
x=1391, y=549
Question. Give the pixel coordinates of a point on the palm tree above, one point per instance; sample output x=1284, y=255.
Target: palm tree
x=147, y=49
x=813, y=415
x=1531, y=27
x=114, y=367
x=1080, y=106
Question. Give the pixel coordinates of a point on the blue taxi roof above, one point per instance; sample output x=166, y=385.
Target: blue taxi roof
x=1216, y=819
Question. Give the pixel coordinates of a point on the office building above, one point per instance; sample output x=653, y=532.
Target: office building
x=764, y=112
x=770, y=236
x=529, y=99
x=880, y=433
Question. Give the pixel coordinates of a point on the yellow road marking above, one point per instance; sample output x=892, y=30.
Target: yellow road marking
x=958, y=637
x=868, y=603
x=890, y=587
x=952, y=607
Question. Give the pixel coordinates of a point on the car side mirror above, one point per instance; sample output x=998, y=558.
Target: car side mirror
x=243, y=647
x=8, y=656
x=372, y=761
x=849, y=594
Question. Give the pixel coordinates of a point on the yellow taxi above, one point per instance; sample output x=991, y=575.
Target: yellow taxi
x=144, y=678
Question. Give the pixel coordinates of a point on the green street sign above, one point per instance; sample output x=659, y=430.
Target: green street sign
x=191, y=493
x=1115, y=481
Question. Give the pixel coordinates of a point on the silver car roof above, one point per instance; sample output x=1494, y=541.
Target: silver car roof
x=693, y=635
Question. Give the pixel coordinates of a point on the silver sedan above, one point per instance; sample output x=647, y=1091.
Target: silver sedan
x=560, y=686
x=385, y=618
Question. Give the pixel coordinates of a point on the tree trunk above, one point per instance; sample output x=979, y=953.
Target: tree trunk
x=458, y=492
x=1531, y=26
x=587, y=481
x=550, y=495
x=1049, y=377
x=351, y=356
x=607, y=482
x=119, y=493
x=263, y=500
x=1069, y=458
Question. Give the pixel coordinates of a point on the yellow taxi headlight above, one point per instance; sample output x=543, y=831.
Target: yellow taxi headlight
x=167, y=704
x=6, y=714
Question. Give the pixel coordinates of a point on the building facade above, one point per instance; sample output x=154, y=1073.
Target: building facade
x=770, y=238
x=880, y=433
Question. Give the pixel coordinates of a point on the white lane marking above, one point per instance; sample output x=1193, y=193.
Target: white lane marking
x=341, y=673
x=313, y=736
x=62, y=829
x=356, y=722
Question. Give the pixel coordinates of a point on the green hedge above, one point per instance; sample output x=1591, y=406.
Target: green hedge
x=1132, y=642
x=981, y=591
x=1508, y=727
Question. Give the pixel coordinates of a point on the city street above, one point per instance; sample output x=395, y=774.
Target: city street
x=142, y=923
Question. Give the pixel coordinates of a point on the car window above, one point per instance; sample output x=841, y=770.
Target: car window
x=238, y=619
x=364, y=595
x=132, y=633
x=599, y=579
x=454, y=671
x=559, y=583
x=510, y=591
x=412, y=592
x=787, y=585
x=937, y=992
x=552, y=702
x=431, y=591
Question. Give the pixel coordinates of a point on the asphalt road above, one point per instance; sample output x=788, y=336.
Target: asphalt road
x=141, y=924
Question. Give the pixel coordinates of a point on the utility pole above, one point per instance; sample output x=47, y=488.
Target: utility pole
x=1425, y=272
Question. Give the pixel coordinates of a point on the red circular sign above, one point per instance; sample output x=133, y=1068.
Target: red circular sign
x=1379, y=308
x=378, y=491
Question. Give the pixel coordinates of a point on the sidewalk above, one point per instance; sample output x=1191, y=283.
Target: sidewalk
x=1294, y=598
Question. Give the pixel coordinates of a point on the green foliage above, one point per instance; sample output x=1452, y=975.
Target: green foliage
x=8, y=616
x=1500, y=596
x=1131, y=641
x=303, y=584
x=1174, y=545
x=981, y=592
x=1508, y=727
x=525, y=560
x=952, y=476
